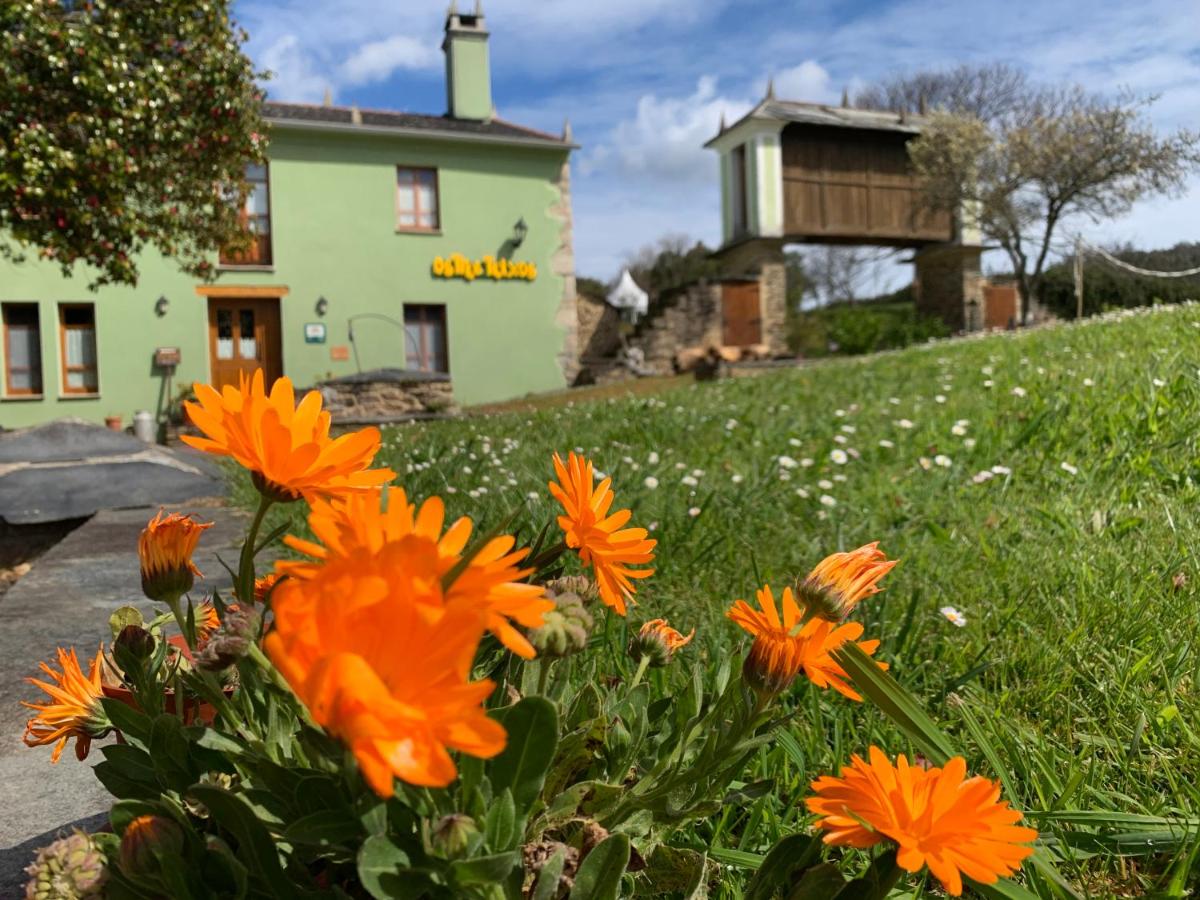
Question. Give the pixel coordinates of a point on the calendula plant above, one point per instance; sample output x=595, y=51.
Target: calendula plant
x=407, y=708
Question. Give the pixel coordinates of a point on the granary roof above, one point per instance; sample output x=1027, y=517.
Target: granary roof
x=771, y=109
x=366, y=121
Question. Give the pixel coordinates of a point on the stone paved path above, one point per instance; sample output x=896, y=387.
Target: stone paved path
x=65, y=600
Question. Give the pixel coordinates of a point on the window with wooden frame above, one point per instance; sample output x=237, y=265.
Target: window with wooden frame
x=77, y=348
x=417, y=206
x=738, y=189
x=425, y=337
x=22, y=350
x=256, y=219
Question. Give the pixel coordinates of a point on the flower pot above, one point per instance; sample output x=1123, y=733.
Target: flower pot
x=194, y=710
x=113, y=423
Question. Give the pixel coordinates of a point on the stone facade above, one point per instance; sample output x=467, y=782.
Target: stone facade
x=948, y=284
x=386, y=395
x=599, y=329
x=562, y=264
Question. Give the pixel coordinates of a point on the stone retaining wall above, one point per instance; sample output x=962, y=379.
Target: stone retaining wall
x=387, y=394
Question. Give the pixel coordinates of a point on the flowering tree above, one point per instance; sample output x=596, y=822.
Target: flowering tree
x=124, y=125
x=1054, y=155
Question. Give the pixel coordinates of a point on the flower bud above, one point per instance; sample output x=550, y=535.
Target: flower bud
x=148, y=842
x=452, y=835
x=165, y=549
x=771, y=666
x=658, y=641
x=564, y=629
x=836, y=584
x=136, y=641
x=583, y=587
x=71, y=868
x=230, y=642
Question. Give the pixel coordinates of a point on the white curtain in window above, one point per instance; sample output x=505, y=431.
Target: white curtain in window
x=24, y=357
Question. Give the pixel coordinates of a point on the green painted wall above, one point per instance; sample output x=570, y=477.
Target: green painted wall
x=751, y=187
x=468, y=76
x=334, y=235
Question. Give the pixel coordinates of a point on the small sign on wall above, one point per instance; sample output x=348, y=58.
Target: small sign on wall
x=339, y=353
x=166, y=357
x=314, y=333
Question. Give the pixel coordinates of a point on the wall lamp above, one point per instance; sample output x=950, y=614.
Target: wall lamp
x=322, y=306
x=519, y=232
x=161, y=305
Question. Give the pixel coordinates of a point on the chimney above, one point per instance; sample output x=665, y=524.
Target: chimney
x=468, y=74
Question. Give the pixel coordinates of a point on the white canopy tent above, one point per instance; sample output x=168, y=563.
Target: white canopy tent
x=628, y=296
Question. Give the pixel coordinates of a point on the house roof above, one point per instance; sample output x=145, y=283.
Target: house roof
x=351, y=118
x=773, y=110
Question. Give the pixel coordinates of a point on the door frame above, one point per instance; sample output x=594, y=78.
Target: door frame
x=256, y=292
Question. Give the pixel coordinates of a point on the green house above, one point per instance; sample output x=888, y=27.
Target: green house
x=438, y=244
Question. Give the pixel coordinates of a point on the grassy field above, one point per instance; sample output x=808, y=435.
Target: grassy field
x=1044, y=484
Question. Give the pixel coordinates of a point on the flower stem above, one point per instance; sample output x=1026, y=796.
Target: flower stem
x=276, y=678
x=643, y=664
x=245, y=585
x=543, y=676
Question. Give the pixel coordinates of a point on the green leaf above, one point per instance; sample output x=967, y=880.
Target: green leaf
x=790, y=855
x=125, y=615
x=740, y=858
x=500, y=825
x=383, y=869
x=133, y=724
x=818, y=883
x=895, y=702
x=122, y=786
x=223, y=871
x=599, y=877
x=255, y=846
x=132, y=763
x=546, y=887
x=169, y=751
x=125, y=811
x=532, y=726
x=484, y=869
x=325, y=828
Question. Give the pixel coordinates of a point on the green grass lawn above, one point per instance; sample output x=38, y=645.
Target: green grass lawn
x=1044, y=484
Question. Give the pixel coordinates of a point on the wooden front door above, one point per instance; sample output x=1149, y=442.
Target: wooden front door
x=243, y=335
x=741, y=315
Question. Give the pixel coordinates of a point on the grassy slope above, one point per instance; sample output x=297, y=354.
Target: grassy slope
x=1079, y=655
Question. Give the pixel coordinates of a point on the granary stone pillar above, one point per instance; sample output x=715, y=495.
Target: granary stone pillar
x=763, y=260
x=948, y=284
x=948, y=281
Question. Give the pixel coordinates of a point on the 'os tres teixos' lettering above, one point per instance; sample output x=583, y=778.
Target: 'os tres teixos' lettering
x=458, y=266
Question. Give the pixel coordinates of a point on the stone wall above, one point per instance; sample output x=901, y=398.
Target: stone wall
x=384, y=395
x=948, y=284
x=563, y=265
x=599, y=329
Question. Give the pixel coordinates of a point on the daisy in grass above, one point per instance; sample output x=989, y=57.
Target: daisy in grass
x=786, y=645
x=380, y=673
x=937, y=817
x=73, y=710
x=491, y=581
x=286, y=447
x=602, y=540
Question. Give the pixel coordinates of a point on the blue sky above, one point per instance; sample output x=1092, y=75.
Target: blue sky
x=644, y=82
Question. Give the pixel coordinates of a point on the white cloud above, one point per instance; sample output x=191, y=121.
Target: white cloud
x=808, y=81
x=294, y=75
x=378, y=60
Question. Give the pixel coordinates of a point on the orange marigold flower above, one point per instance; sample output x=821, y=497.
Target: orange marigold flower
x=207, y=620
x=937, y=817
x=286, y=447
x=165, y=549
x=602, y=540
x=263, y=586
x=491, y=581
x=785, y=646
x=837, y=583
x=74, y=709
x=383, y=673
x=659, y=641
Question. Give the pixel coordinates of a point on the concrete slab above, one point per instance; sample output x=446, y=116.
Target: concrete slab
x=65, y=600
x=69, y=469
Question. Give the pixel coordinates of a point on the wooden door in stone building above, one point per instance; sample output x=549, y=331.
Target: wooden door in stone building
x=741, y=314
